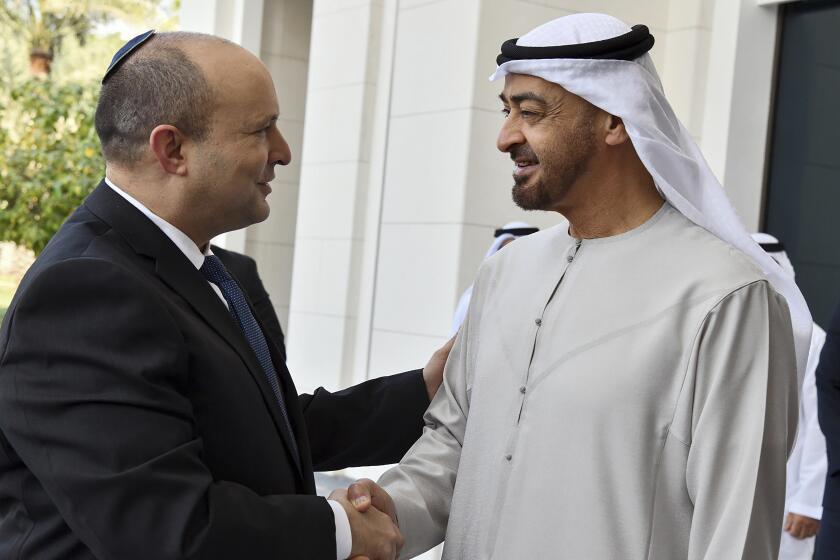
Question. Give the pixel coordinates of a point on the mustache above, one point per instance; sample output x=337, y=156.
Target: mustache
x=523, y=151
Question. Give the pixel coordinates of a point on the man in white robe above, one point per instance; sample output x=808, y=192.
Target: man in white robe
x=808, y=463
x=624, y=385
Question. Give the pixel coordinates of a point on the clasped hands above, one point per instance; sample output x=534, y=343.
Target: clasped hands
x=373, y=521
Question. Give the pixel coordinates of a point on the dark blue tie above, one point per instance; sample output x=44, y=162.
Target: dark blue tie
x=215, y=272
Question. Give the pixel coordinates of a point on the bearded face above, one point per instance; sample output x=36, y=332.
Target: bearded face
x=550, y=136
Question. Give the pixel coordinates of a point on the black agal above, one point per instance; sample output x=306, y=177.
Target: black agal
x=629, y=46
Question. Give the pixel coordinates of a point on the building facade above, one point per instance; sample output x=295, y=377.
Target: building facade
x=396, y=186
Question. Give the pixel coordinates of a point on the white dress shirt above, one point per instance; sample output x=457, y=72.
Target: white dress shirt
x=343, y=535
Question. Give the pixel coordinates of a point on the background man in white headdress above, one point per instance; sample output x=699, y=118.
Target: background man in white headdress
x=807, y=463
x=623, y=385
x=511, y=231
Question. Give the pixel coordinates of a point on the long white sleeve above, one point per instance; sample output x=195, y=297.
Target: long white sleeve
x=806, y=498
x=423, y=483
x=744, y=421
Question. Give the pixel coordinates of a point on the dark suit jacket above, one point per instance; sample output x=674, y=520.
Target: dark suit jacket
x=828, y=410
x=136, y=422
x=244, y=269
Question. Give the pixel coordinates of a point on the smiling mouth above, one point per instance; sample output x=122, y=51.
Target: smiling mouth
x=522, y=168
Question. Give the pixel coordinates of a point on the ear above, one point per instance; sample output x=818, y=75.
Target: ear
x=616, y=133
x=166, y=143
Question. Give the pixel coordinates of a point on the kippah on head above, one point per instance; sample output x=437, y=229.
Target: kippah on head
x=152, y=81
x=131, y=46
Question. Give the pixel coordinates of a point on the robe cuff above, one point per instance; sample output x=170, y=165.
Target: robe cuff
x=814, y=512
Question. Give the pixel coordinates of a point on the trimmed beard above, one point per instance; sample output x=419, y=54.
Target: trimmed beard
x=558, y=172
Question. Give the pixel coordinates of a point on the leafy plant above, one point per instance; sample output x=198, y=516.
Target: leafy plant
x=45, y=24
x=49, y=158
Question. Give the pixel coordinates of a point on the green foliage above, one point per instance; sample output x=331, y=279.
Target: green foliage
x=49, y=158
x=45, y=24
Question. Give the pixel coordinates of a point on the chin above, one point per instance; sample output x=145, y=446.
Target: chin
x=262, y=213
x=527, y=197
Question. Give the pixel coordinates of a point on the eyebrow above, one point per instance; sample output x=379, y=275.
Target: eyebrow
x=527, y=96
x=264, y=121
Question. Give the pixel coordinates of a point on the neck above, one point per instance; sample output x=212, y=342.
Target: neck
x=613, y=203
x=161, y=201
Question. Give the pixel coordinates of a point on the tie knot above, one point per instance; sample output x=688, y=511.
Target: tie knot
x=214, y=270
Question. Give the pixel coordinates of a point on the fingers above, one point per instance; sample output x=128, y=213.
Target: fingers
x=365, y=493
x=374, y=535
x=801, y=527
x=361, y=493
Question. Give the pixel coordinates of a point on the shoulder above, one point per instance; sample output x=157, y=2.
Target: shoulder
x=712, y=259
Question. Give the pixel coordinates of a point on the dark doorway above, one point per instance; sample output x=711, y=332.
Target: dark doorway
x=803, y=197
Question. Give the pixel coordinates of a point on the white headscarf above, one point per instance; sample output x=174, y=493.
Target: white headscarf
x=632, y=91
x=464, y=302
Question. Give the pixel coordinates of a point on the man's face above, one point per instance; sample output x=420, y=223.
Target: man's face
x=235, y=163
x=550, y=135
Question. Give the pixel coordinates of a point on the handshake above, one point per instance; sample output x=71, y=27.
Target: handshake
x=373, y=521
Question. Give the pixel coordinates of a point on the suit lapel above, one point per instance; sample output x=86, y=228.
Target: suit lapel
x=176, y=271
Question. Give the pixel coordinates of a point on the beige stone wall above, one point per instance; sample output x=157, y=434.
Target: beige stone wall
x=286, y=28
x=396, y=185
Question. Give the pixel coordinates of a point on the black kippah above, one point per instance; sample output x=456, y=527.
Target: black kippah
x=126, y=50
x=516, y=232
x=629, y=46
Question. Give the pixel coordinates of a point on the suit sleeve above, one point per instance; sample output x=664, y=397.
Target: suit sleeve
x=92, y=399
x=828, y=406
x=372, y=423
x=743, y=423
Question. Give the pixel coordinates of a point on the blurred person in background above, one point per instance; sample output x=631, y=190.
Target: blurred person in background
x=502, y=237
x=807, y=463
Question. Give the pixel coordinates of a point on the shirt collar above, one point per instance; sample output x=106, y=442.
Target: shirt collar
x=178, y=237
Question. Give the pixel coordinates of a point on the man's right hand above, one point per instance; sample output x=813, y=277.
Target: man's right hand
x=375, y=534
x=365, y=493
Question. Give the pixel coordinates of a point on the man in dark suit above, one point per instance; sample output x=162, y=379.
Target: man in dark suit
x=144, y=413
x=828, y=410
x=244, y=269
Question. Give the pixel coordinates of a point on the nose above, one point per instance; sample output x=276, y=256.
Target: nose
x=510, y=135
x=279, y=151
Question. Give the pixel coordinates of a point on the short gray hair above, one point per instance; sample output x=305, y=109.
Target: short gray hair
x=158, y=84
